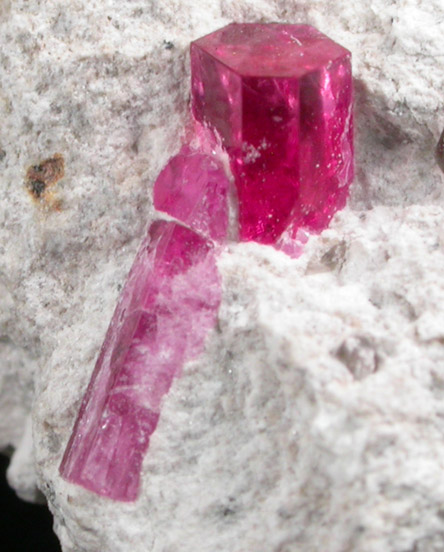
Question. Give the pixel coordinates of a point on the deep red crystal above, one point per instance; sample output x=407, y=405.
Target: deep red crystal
x=280, y=97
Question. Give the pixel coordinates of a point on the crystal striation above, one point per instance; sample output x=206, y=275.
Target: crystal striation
x=280, y=97
x=168, y=305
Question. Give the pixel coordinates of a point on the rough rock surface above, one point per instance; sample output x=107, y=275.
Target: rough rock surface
x=315, y=419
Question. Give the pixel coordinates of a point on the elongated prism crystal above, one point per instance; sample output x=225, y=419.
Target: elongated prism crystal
x=169, y=303
x=280, y=97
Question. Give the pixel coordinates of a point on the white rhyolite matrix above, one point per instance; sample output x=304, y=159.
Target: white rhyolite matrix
x=314, y=421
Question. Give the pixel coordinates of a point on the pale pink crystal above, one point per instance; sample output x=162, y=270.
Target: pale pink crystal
x=169, y=303
x=292, y=243
x=193, y=188
x=280, y=97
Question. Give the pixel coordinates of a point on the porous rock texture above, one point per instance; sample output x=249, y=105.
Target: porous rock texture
x=314, y=421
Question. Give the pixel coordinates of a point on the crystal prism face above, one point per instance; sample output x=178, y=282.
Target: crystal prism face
x=169, y=303
x=280, y=97
x=193, y=188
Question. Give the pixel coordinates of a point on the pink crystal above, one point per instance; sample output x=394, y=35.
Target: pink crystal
x=280, y=97
x=193, y=188
x=168, y=305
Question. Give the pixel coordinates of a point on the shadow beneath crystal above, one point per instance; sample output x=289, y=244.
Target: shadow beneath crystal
x=23, y=526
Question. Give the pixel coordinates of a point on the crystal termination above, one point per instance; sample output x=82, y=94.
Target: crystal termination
x=280, y=97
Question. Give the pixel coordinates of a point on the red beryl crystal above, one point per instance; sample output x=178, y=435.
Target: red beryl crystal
x=169, y=303
x=280, y=98
x=193, y=188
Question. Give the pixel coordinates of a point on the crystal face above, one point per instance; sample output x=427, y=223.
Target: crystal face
x=193, y=188
x=280, y=97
